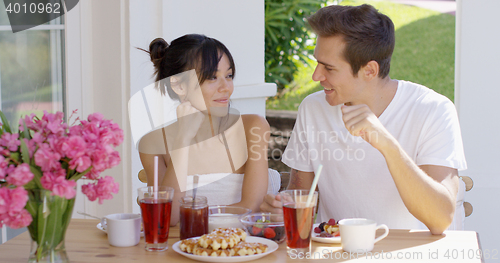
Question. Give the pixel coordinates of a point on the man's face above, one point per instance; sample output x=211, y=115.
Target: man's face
x=334, y=73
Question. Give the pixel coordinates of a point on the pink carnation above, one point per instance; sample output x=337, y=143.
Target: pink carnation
x=18, y=198
x=28, y=119
x=4, y=152
x=64, y=188
x=106, y=186
x=93, y=174
x=4, y=200
x=37, y=138
x=74, y=147
x=99, y=159
x=54, y=122
x=102, y=190
x=114, y=159
x=90, y=191
x=3, y=167
x=10, y=141
x=97, y=117
x=12, y=202
x=59, y=185
x=19, y=220
x=21, y=175
x=49, y=178
x=47, y=158
x=81, y=163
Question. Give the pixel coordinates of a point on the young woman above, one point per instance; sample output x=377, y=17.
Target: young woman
x=227, y=150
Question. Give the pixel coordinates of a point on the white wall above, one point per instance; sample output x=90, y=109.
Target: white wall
x=105, y=68
x=477, y=94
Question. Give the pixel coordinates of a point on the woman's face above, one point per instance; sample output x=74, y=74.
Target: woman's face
x=215, y=91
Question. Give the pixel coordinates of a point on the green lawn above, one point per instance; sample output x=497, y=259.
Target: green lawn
x=424, y=53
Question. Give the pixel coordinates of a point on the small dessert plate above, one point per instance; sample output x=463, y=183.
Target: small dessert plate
x=317, y=238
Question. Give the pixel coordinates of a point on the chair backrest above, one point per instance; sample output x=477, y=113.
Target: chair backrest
x=468, y=186
x=142, y=176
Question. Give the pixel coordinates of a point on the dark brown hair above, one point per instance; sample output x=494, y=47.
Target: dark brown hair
x=368, y=34
x=192, y=51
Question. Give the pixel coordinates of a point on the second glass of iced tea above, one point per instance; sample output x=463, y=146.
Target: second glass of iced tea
x=156, y=207
x=193, y=216
x=298, y=217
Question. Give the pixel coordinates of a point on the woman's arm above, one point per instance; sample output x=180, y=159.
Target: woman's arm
x=255, y=182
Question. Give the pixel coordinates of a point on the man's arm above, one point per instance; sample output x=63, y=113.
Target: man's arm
x=300, y=180
x=429, y=192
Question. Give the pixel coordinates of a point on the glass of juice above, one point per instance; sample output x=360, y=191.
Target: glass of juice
x=193, y=216
x=298, y=217
x=156, y=206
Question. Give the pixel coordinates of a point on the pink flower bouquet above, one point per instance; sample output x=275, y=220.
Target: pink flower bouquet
x=49, y=154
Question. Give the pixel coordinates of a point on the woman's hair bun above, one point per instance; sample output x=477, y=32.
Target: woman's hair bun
x=157, y=49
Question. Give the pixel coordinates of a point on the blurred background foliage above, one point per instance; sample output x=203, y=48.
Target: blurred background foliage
x=288, y=42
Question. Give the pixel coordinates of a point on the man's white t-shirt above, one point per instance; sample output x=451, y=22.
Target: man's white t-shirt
x=355, y=180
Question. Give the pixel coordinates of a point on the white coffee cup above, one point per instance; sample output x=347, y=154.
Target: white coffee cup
x=357, y=235
x=124, y=230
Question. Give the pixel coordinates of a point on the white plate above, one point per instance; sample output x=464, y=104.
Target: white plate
x=271, y=247
x=317, y=238
x=99, y=226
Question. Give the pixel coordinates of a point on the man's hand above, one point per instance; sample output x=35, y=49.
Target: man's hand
x=361, y=121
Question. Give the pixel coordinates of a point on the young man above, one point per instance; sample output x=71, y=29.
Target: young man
x=390, y=149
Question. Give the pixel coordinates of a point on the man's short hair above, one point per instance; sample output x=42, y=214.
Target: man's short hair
x=368, y=34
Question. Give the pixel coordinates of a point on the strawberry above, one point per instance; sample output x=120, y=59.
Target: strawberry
x=332, y=222
x=269, y=233
x=336, y=234
x=256, y=231
x=317, y=230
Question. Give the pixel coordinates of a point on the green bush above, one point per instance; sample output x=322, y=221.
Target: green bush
x=287, y=37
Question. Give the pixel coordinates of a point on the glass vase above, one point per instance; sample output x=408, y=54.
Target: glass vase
x=51, y=216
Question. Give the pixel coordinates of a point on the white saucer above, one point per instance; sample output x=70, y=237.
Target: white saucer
x=317, y=238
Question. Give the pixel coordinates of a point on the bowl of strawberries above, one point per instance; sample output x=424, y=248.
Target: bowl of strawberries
x=266, y=225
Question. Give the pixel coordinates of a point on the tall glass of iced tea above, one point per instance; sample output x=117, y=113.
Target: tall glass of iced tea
x=156, y=206
x=298, y=217
x=193, y=216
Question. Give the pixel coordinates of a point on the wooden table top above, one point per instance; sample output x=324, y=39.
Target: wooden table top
x=85, y=243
